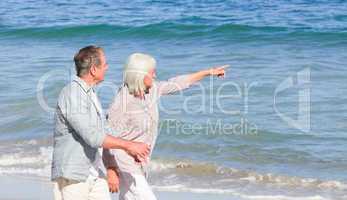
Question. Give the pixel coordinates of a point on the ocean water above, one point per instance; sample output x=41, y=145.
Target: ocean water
x=273, y=128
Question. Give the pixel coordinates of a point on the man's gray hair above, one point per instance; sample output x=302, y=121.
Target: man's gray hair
x=87, y=57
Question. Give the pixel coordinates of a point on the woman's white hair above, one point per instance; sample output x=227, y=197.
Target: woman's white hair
x=135, y=69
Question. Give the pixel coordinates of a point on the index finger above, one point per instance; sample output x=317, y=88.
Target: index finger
x=224, y=66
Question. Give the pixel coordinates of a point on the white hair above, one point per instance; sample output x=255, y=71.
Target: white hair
x=135, y=69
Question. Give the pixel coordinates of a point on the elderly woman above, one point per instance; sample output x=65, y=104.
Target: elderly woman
x=134, y=113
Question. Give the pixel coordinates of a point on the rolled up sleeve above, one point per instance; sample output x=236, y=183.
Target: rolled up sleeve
x=173, y=85
x=77, y=110
x=109, y=130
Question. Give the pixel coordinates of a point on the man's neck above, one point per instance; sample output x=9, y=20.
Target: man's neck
x=89, y=80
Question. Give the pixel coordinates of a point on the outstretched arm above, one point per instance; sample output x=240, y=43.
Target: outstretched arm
x=215, y=71
x=184, y=81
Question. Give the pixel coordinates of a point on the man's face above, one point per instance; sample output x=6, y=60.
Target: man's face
x=148, y=80
x=100, y=71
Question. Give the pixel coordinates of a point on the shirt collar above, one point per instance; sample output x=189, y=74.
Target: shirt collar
x=83, y=84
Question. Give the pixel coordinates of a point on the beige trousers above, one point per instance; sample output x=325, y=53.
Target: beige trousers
x=94, y=188
x=134, y=187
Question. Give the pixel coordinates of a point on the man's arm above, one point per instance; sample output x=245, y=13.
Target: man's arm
x=76, y=109
x=138, y=150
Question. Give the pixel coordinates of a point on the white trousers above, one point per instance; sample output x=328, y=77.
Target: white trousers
x=134, y=187
x=94, y=188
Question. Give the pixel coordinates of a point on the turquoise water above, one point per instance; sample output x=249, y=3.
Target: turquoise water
x=265, y=42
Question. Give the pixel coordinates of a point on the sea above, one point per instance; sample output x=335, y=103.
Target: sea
x=275, y=127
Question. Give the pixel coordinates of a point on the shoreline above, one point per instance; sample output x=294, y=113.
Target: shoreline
x=16, y=187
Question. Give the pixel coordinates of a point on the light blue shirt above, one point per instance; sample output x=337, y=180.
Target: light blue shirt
x=80, y=129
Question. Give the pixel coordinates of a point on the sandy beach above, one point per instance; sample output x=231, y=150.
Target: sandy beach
x=27, y=188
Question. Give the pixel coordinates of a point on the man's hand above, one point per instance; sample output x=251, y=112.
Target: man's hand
x=140, y=151
x=112, y=179
x=218, y=71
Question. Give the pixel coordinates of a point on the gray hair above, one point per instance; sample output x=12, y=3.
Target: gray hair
x=135, y=69
x=85, y=58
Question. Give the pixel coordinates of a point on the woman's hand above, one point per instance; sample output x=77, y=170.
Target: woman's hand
x=112, y=179
x=214, y=71
x=218, y=71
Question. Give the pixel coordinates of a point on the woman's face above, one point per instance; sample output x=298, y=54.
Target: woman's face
x=148, y=80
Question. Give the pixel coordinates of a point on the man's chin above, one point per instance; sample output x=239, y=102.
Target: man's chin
x=100, y=81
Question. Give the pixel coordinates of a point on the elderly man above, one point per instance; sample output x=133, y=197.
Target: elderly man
x=80, y=130
x=134, y=112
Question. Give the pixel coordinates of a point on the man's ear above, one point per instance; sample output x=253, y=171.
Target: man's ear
x=93, y=70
